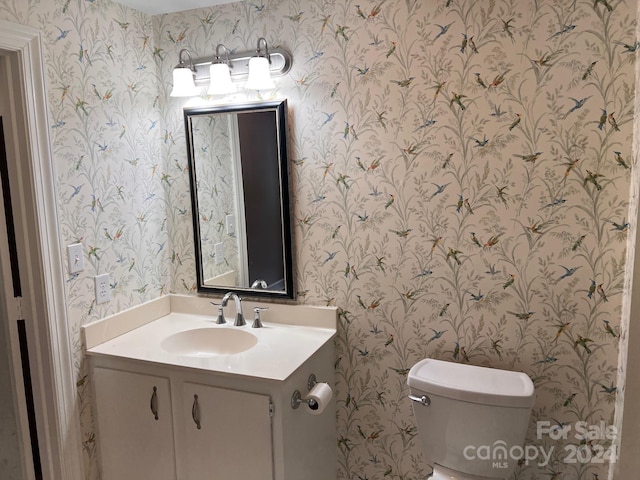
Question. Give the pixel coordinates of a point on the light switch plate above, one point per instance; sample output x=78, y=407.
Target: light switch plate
x=231, y=224
x=103, y=289
x=75, y=258
x=218, y=251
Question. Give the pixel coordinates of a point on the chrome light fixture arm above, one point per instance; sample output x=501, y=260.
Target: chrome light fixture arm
x=182, y=63
x=226, y=52
x=263, y=41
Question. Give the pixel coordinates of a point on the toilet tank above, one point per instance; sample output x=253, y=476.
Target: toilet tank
x=475, y=416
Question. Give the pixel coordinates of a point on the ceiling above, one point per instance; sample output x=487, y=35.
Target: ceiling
x=156, y=7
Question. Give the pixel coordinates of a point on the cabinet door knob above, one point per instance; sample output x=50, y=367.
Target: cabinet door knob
x=154, y=403
x=195, y=412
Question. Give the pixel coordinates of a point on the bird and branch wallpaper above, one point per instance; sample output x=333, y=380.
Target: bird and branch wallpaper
x=460, y=175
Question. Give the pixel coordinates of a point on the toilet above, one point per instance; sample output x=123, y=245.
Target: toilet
x=472, y=420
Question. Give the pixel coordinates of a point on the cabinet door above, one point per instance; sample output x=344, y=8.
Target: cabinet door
x=135, y=425
x=228, y=434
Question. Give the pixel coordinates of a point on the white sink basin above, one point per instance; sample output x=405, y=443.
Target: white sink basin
x=207, y=342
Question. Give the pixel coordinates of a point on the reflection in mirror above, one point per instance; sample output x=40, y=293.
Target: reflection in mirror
x=240, y=198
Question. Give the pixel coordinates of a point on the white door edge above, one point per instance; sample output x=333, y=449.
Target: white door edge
x=56, y=399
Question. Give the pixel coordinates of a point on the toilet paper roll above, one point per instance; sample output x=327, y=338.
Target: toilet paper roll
x=319, y=397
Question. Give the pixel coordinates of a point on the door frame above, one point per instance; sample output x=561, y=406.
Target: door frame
x=51, y=355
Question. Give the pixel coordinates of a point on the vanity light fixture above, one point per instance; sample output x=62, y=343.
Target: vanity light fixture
x=271, y=62
x=220, y=75
x=183, y=77
x=259, y=75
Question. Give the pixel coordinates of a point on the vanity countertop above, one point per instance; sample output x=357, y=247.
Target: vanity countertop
x=280, y=350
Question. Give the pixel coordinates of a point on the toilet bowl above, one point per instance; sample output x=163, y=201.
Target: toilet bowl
x=472, y=421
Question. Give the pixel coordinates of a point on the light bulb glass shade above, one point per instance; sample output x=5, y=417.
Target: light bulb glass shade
x=220, y=78
x=183, y=84
x=259, y=75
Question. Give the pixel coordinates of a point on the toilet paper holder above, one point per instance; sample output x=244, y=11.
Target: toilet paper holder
x=296, y=398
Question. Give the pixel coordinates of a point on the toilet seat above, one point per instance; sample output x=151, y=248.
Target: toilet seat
x=443, y=473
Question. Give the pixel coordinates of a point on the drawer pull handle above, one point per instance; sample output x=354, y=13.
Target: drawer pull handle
x=154, y=403
x=195, y=412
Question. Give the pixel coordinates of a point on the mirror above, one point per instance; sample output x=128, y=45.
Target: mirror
x=240, y=198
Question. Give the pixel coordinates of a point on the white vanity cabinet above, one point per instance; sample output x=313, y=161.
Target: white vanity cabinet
x=248, y=428
x=177, y=398
x=227, y=433
x=135, y=421
x=223, y=433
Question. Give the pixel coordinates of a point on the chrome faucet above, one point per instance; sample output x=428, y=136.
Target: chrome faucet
x=259, y=283
x=239, y=317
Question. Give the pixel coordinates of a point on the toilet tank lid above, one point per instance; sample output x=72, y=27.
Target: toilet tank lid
x=470, y=383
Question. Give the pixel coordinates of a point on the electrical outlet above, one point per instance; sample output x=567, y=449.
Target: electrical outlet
x=103, y=289
x=75, y=258
x=218, y=251
x=231, y=224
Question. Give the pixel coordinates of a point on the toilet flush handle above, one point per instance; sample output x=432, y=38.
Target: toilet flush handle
x=424, y=400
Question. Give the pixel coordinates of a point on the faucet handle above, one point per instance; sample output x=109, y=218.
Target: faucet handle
x=256, y=316
x=220, y=320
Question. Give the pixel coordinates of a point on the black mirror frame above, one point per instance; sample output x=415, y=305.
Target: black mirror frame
x=280, y=107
